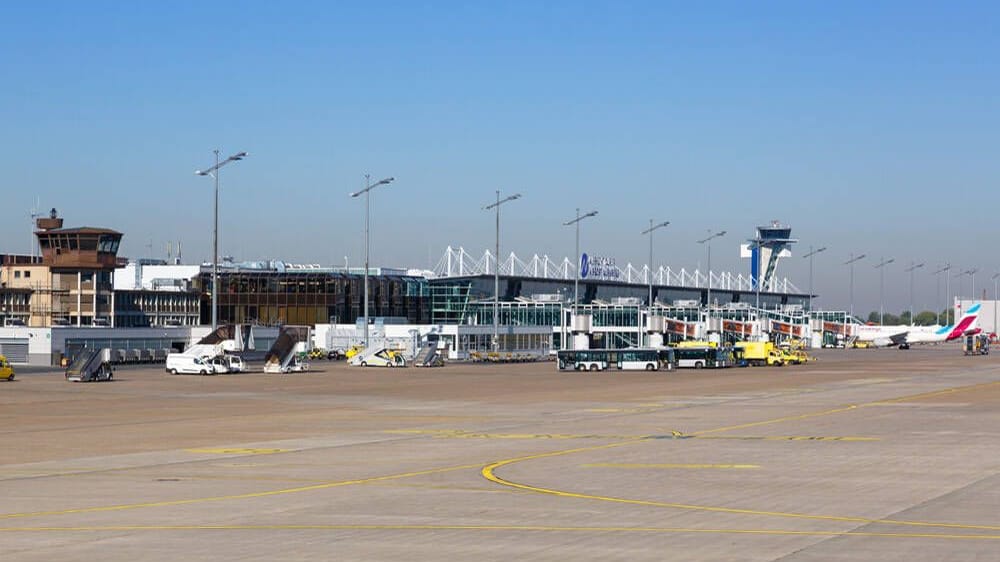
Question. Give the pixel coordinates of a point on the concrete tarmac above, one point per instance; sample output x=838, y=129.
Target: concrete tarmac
x=862, y=455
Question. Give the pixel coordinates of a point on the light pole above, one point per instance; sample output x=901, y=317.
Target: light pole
x=576, y=282
x=368, y=187
x=910, y=270
x=496, y=269
x=947, y=292
x=707, y=243
x=937, y=290
x=810, y=256
x=951, y=305
x=214, y=173
x=995, y=295
x=972, y=273
x=850, y=262
x=649, y=231
x=881, y=287
x=755, y=269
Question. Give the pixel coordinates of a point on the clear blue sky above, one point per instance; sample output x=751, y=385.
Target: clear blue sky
x=868, y=126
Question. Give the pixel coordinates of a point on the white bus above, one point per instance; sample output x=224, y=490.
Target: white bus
x=645, y=359
x=629, y=359
x=584, y=360
x=704, y=357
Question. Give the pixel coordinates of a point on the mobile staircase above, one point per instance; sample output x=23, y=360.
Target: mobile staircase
x=284, y=355
x=428, y=356
x=222, y=343
x=91, y=365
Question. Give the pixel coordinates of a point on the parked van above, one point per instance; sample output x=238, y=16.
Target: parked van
x=235, y=363
x=179, y=363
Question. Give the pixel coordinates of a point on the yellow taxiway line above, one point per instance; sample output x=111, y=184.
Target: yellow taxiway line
x=489, y=471
x=521, y=528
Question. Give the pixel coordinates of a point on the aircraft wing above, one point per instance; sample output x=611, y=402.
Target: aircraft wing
x=898, y=339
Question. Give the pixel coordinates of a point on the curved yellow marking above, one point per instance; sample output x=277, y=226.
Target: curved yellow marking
x=300, y=489
x=489, y=472
x=525, y=528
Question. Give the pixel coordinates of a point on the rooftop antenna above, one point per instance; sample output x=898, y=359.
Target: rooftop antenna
x=31, y=232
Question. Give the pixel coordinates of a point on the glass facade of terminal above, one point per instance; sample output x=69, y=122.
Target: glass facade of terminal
x=272, y=298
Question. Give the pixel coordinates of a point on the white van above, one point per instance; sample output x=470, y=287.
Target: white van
x=220, y=363
x=235, y=363
x=179, y=363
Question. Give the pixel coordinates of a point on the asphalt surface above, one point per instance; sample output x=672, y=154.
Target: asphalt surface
x=862, y=455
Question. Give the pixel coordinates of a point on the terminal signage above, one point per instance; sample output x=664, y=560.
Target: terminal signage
x=599, y=267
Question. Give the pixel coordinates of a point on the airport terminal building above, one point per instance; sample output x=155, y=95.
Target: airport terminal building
x=79, y=282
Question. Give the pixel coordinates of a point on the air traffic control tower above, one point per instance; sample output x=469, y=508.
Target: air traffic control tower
x=771, y=244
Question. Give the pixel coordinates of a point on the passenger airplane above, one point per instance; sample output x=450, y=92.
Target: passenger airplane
x=903, y=336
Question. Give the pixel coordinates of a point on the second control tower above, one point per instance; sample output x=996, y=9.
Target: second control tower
x=771, y=243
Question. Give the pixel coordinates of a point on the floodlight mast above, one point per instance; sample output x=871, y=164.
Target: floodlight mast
x=366, y=191
x=913, y=267
x=576, y=282
x=213, y=172
x=881, y=287
x=947, y=283
x=496, y=269
x=649, y=231
x=810, y=256
x=850, y=262
x=707, y=242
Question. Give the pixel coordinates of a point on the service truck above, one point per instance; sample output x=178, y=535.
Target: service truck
x=760, y=353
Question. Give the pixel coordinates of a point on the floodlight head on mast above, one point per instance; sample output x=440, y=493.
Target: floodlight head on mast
x=373, y=186
x=580, y=218
x=652, y=228
x=716, y=235
x=211, y=171
x=501, y=202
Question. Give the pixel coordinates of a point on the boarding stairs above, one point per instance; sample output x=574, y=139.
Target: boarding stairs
x=428, y=356
x=281, y=357
x=230, y=338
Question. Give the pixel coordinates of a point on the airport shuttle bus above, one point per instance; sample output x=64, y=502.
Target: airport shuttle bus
x=704, y=357
x=629, y=359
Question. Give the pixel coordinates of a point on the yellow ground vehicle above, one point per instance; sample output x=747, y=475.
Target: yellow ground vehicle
x=353, y=350
x=794, y=352
x=795, y=356
x=760, y=353
x=6, y=371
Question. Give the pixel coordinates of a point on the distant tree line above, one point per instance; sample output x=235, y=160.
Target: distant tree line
x=925, y=318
